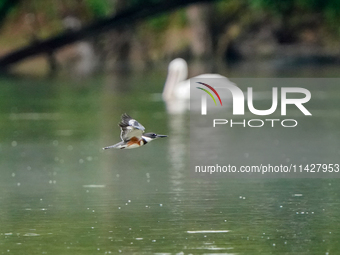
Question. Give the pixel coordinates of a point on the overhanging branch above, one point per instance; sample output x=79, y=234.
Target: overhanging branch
x=125, y=17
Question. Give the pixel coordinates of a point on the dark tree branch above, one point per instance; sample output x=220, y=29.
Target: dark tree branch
x=125, y=17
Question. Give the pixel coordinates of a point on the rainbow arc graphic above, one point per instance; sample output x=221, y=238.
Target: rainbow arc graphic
x=209, y=93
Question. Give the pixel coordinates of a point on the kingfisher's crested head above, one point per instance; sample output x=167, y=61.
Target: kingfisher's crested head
x=152, y=136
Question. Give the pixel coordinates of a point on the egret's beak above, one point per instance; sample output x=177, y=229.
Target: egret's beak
x=161, y=136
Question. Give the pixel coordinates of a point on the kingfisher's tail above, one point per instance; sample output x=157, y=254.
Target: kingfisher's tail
x=117, y=146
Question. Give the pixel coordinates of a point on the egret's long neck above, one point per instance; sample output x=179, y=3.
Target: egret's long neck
x=177, y=72
x=170, y=84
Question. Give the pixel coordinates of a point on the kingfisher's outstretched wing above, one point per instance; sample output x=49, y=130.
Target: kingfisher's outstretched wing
x=130, y=128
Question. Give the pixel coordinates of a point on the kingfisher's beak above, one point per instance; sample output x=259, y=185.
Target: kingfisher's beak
x=161, y=136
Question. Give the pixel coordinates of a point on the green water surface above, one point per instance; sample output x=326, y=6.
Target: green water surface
x=60, y=193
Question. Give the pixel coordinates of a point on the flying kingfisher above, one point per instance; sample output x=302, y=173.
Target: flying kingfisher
x=132, y=134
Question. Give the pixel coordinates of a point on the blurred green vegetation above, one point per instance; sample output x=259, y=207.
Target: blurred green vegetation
x=265, y=23
x=99, y=8
x=327, y=10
